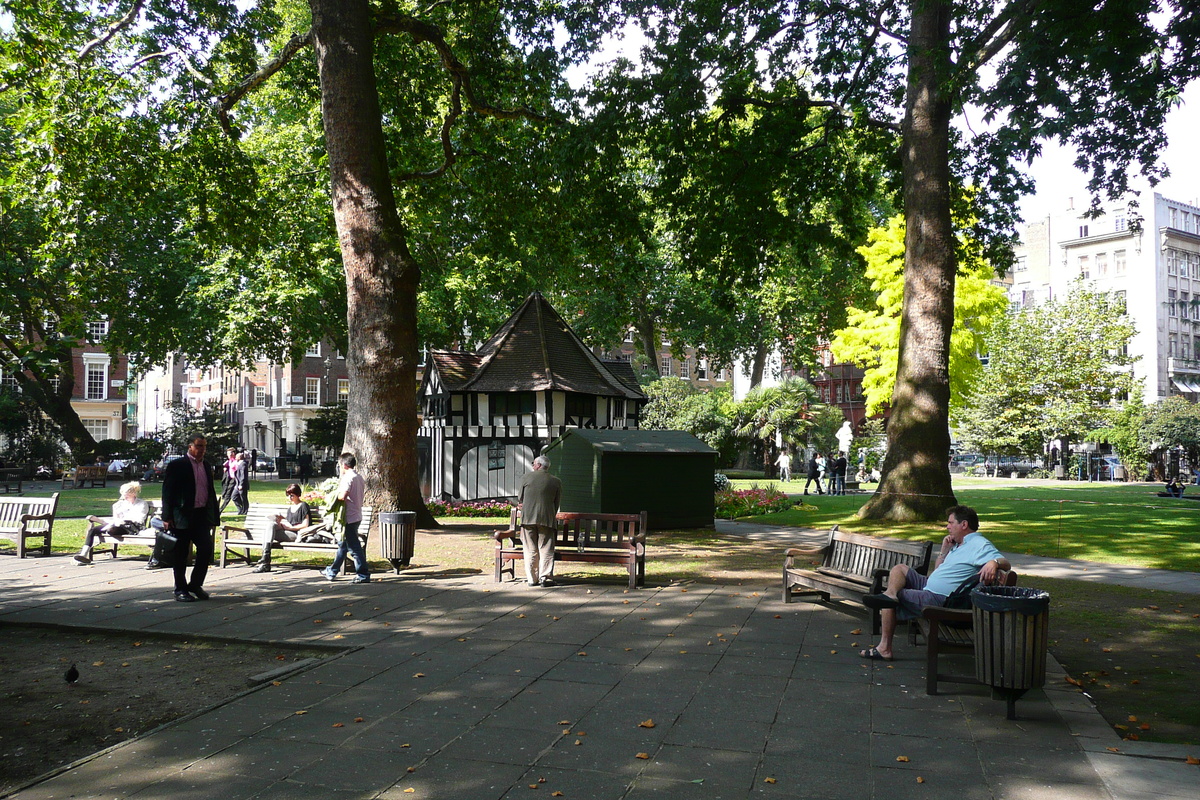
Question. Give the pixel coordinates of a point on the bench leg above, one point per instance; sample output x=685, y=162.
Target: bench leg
x=931, y=658
x=633, y=573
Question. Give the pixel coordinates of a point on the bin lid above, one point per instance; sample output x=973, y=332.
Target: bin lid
x=1022, y=599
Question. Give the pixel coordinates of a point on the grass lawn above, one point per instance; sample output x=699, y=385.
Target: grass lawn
x=1136, y=651
x=1122, y=523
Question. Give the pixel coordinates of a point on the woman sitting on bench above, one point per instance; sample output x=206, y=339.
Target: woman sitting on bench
x=286, y=527
x=129, y=516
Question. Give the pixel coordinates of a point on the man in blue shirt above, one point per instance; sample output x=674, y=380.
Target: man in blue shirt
x=965, y=553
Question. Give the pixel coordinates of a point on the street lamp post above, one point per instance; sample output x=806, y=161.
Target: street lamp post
x=156, y=392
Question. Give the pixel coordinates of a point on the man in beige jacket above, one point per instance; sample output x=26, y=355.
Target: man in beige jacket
x=539, y=496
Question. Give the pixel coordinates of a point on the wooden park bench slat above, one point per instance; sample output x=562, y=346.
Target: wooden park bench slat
x=591, y=538
x=25, y=518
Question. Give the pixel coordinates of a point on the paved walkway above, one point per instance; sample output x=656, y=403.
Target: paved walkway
x=469, y=690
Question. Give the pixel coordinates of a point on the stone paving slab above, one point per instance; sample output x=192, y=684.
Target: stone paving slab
x=482, y=690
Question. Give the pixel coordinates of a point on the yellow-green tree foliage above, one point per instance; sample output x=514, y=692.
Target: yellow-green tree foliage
x=872, y=335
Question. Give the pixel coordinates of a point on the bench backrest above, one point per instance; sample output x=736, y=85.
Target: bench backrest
x=261, y=516
x=13, y=508
x=853, y=554
x=594, y=531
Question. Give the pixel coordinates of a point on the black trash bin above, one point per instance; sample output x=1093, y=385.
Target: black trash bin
x=1011, y=628
x=397, y=536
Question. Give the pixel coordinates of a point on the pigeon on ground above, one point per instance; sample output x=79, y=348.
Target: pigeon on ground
x=72, y=674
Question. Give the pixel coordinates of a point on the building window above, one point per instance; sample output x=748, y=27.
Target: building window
x=97, y=330
x=343, y=390
x=1021, y=264
x=1119, y=262
x=8, y=381
x=98, y=428
x=616, y=411
x=1084, y=267
x=581, y=410
x=664, y=368
x=685, y=369
x=1195, y=259
x=96, y=380
x=1183, y=305
x=260, y=396
x=1083, y=231
x=1101, y=265
x=702, y=370
x=1173, y=345
x=1172, y=254
x=1120, y=298
x=1185, y=346
x=314, y=350
x=312, y=391
x=629, y=335
x=1174, y=217
x=1119, y=223
x=511, y=408
x=1171, y=310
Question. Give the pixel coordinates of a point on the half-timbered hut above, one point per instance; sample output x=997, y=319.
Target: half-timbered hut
x=487, y=414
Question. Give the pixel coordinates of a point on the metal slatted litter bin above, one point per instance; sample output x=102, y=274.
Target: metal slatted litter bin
x=397, y=536
x=1011, y=628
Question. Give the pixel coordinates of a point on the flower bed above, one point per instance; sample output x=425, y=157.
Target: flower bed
x=475, y=508
x=731, y=503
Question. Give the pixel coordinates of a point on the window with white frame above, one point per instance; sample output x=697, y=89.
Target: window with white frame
x=702, y=370
x=98, y=428
x=1185, y=346
x=664, y=368
x=685, y=369
x=343, y=390
x=1119, y=222
x=1083, y=231
x=1101, y=265
x=97, y=330
x=314, y=350
x=1184, y=311
x=1174, y=214
x=260, y=396
x=1084, y=267
x=629, y=335
x=96, y=380
x=1172, y=255
x=9, y=380
x=312, y=391
x=1171, y=309
x=1118, y=262
x=1120, y=298
x=1173, y=345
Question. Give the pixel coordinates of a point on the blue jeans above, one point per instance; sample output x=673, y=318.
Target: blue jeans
x=351, y=542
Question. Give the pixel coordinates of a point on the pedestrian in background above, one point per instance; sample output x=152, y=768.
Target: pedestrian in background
x=190, y=513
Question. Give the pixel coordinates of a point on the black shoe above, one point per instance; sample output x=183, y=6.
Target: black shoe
x=547, y=582
x=262, y=568
x=185, y=597
x=200, y=593
x=880, y=601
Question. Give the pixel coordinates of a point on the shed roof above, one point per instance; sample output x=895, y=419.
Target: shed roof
x=640, y=441
x=535, y=350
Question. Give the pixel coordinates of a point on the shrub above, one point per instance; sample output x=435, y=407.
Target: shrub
x=472, y=508
x=720, y=481
x=732, y=503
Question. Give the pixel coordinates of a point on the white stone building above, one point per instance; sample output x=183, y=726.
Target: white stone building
x=1144, y=249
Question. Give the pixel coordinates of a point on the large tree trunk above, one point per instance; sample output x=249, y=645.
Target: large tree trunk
x=759, y=366
x=381, y=275
x=916, y=471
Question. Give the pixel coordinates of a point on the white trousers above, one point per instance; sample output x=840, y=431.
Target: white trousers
x=538, y=543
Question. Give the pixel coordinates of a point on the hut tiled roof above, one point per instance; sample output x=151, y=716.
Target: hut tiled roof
x=535, y=350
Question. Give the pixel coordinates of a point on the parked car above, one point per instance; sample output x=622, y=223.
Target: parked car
x=1106, y=467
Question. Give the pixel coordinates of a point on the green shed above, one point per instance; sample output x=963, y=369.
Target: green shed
x=668, y=474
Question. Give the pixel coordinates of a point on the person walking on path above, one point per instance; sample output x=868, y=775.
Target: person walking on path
x=814, y=474
x=129, y=515
x=538, y=497
x=350, y=491
x=965, y=554
x=785, y=466
x=190, y=513
x=228, y=478
x=839, y=473
x=241, y=485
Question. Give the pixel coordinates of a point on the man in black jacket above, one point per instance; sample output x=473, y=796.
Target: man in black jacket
x=190, y=513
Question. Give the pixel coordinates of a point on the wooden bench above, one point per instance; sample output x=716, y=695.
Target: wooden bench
x=592, y=538
x=24, y=518
x=949, y=630
x=95, y=475
x=10, y=479
x=851, y=565
x=253, y=533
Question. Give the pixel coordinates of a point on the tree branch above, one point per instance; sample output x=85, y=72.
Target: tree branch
x=248, y=84
x=997, y=34
x=449, y=156
x=805, y=103
x=106, y=37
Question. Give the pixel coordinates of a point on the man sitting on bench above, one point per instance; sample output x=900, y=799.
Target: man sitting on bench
x=965, y=553
x=287, y=527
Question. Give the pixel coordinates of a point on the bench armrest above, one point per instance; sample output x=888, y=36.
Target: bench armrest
x=225, y=529
x=942, y=614
x=29, y=517
x=511, y=533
